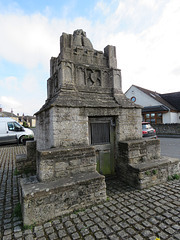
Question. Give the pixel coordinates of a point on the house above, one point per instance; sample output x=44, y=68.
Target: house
x=8, y=114
x=31, y=120
x=157, y=108
x=27, y=121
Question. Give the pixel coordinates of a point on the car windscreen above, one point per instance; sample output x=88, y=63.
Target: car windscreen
x=13, y=126
x=146, y=126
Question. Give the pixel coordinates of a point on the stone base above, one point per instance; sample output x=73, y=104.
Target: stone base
x=42, y=201
x=26, y=163
x=147, y=174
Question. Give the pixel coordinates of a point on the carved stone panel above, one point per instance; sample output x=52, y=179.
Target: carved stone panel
x=55, y=79
x=80, y=76
x=53, y=85
x=68, y=78
x=117, y=79
x=53, y=65
x=97, y=74
x=49, y=88
x=93, y=77
x=105, y=79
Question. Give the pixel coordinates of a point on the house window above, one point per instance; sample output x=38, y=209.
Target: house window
x=152, y=117
x=159, y=118
x=133, y=99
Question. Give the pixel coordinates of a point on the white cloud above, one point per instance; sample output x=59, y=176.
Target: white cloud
x=130, y=15
x=30, y=40
x=10, y=83
x=153, y=4
x=148, y=57
x=103, y=7
x=25, y=96
x=25, y=39
x=9, y=103
x=22, y=103
x=31, y=105
x=30, y=84
x=176, y=71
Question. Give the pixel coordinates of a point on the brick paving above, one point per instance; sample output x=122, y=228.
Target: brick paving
x=127, y=214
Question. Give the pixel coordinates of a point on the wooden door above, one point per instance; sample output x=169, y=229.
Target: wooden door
x=102, y=138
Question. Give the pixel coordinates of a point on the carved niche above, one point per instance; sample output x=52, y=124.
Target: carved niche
x=52, y=85
x=80, y=76
x=105, y=77
x=68, y=73
x=117, y=79
x=56, y=83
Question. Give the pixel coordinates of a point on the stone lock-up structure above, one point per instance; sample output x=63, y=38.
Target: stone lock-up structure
x=87, y=129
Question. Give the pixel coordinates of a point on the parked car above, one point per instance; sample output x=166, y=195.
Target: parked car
x=12, y=132
x=148, y=130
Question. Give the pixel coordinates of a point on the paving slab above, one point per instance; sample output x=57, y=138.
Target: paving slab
x=128, y=213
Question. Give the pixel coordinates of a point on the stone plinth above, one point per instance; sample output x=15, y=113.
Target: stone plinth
x=66, y=180
x=140, y=164
x=139, y=151
x=65, y=162
x=26, y=163
x=43, y=201
x=145, y=175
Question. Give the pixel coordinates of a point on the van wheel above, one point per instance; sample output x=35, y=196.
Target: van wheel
x=21, y=140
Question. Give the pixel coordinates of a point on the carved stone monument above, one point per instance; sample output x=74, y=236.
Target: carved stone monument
x=87, y=129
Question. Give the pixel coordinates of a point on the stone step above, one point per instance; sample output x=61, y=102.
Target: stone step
x=147, y=174
x=155, y=164
x=43, y=201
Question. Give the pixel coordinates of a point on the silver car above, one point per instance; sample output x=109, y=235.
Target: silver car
x=148, y=130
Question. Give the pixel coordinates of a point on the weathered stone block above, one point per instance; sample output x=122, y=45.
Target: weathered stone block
x=141, y=166
x=31, y=150
x=20, y=160
x=60, y=162
x=137, y=151
x=26, y=163
x=43, y=201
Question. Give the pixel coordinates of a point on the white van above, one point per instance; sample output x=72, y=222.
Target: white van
x=11, y=131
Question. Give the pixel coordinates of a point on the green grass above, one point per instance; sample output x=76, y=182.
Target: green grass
x=174, y=177
x=147, y=173
x=79, y=210
x=26, y=227
x=16, y=172
x=155, y=171
x=17, y=211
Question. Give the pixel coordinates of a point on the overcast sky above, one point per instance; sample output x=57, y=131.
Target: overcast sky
x=146, y=34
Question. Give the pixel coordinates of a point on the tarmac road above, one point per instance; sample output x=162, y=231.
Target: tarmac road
x=170, y=147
